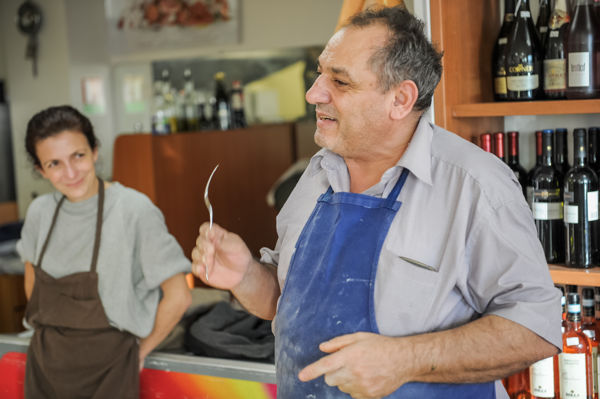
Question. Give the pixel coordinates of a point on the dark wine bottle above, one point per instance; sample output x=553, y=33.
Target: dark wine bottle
x=538, y=163
x=524, y=57
x=513, y=160
x=499, y=54
x=593, y=148
x=238, y=117
x=555, y=58
x=581, y=207
x=561, y=152
x=499, y=145
x=547, y=203
x=583, y=47
x=222, y=112
x=485, y=142
x=541, y=24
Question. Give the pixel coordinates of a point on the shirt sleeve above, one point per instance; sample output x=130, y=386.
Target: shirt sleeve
x=27, y=244
x=160, y=255
x=508, y=273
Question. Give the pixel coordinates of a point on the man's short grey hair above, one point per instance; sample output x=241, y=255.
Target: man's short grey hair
x=408, y=54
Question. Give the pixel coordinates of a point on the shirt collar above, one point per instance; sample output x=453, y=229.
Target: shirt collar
x=416, y=158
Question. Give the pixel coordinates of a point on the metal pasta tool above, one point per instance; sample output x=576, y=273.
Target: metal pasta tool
x=210, y=210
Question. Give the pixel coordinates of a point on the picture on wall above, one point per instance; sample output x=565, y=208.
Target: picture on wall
x=136, y=26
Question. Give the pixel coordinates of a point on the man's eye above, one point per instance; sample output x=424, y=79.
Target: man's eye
x=340, y=82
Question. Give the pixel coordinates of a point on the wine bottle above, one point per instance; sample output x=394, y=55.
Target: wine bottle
x=583, y=46
x=524, y=57
x=561, y=150
x=499, y=53
x=541, y=24
x=597, y=300
x=538, y=163
x=547, y=203
x=498, y=146
x=517, y=385
x=513, y=160
x=555, y=58
x=575, y=362
x=238, y=118
x=222, y=113
x=485, y=142
x=543, y=377
x=581, y=207
x=593, y=148
x=589, y=328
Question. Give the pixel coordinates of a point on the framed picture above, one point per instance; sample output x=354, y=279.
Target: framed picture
x=151, y=25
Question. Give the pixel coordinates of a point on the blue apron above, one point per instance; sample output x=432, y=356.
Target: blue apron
x=329, y=292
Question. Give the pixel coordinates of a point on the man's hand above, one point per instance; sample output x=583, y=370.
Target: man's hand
x=363, y=365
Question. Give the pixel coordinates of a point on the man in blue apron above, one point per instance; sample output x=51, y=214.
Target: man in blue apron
x=407, y=263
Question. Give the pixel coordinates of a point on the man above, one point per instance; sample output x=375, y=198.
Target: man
x=407, y=262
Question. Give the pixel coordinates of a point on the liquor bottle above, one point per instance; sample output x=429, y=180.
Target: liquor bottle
x=575, y=362
x=513, y=159
x=523, y=57
x=547, y=203
x=563, y=303
x=238, y=118
x=190, y=102
x=561, y=151
x=499, y=54
x=590, y=328
x=555, y=58
x=538, y=163
x=541, y=24
x=583, y=46
x=543, y=378
x=594, y=148
x=581, y=207
x=485, y=142
x=222, y=112
x=499, y=145
x=517, y=385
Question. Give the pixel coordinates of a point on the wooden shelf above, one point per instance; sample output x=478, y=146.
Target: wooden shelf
x=548, y=107
x=566, y=275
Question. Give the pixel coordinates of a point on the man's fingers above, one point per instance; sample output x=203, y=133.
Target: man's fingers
x=321, y=367
x=337, y=343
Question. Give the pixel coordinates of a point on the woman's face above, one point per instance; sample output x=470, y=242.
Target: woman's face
x=67, y=161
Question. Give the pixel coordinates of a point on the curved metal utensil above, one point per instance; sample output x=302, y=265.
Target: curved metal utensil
x=210, y=210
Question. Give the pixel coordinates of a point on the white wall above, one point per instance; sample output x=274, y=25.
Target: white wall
x=72, y=45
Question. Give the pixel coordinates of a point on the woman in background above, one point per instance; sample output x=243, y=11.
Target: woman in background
x=97, y=258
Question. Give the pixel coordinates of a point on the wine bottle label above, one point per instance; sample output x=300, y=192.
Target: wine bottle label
x=573, y=375
x=236, y=101
x=592, y=198
x=590, y=333
x=571, y=214
x=547, y=210
x=543, y=29
x=502, y=40
x=578, y=72
x=542, y=378
x=500, y=85
x=555, y=74
x=522, y=82
x=554, y=33
x=525, y=14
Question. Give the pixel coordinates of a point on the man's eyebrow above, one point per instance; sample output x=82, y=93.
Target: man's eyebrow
x=337, y=71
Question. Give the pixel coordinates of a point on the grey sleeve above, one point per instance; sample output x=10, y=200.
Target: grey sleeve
x=508, y=273
x=159, y=254
x=27, y=244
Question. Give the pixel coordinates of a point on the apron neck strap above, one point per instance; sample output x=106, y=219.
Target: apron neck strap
x=98, y=226
x=393, y=196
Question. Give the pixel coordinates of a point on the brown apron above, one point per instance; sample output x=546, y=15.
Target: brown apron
x=74, y=351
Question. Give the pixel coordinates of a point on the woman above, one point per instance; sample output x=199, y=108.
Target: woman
x=97, y=257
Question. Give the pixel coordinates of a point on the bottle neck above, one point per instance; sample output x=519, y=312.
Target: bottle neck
x=579, y=152
x=561, y=149
x=509, y=10
x=547, y=151
x=513, y=150
x=522, y=9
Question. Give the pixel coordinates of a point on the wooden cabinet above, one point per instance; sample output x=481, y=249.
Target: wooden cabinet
x=173, y=170
x=465, y=31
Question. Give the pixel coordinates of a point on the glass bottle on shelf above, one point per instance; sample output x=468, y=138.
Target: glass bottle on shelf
x=531, y=173
x=517, y=385
x=583, y=49
x=547, y=206
x=485, y=142
x=190, y=102
x=499, y=145
x=555, y=58
x=581, y=207
x=238, y=118
x=524, y=57
x=222, y=112
x=589, y=328
x=575, y=362
x=560, y=144
x=499, y=54
x=542, y=22
x=594, y=148
x=513, y=159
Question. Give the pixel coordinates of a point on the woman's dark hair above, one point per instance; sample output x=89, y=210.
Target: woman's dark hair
x=55, y=120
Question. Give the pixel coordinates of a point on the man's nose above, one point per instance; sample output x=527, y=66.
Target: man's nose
x=318, y=92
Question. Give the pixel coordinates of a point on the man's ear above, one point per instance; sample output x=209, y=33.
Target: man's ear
x=405, y=97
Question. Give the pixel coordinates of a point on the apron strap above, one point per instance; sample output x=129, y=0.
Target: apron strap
x=98, y=226
x=393, y=196
x=100, y=214
x=54, y=217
